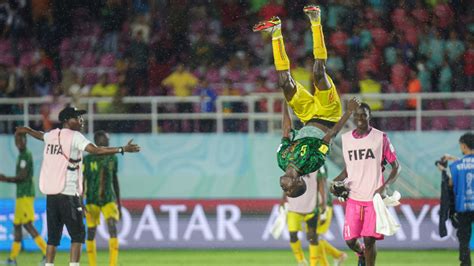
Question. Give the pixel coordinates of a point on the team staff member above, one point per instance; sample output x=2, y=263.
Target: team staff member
x=25, y=197
x=462, y=182
x=365, y=150
x=61, y=179
x=102, y=196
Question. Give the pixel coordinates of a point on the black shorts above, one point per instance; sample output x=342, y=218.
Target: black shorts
x=64, y=210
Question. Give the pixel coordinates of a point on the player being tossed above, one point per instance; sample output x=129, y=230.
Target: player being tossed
x=102, y=196
x=320, y=110
x=309, y=207
x=25, y=197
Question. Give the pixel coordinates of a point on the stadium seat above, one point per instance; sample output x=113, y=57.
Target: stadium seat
x=107, y=60
x=435, y=105
x=88, y=60
x=455, y=104
x=463, y=123
x=440, y=123
x=26, y=59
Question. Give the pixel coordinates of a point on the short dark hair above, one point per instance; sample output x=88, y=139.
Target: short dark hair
x=468, y=139
x=99, y=133
x=366, y=107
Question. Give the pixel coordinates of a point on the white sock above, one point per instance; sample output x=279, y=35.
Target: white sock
x=49, y=264
x=73, y=263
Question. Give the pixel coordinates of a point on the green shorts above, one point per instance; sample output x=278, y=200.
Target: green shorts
x=306, y=154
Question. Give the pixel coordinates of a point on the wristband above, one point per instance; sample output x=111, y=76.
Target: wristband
x=120, y=150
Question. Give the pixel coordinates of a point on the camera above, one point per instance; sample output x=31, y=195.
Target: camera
x=442, y=162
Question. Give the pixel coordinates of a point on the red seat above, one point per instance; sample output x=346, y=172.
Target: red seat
x=440, y=123
x=463, y=123
x=107, y=60
x=88, y=60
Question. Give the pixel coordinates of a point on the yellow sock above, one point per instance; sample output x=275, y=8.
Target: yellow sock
x=330, y=249
x=297, y=250
x=16, y=248
x=41, y=244
x=114, y=250
x=317, y=255
x=319, y=47
x=91, y=252
x=280, y=57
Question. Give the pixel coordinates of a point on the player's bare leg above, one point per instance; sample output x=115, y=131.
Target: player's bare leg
x=50, y=253
x=370, y=251
x=75, y=254
x=281, y=61
x=355, y=246
x=319, y=48
x=36, y=237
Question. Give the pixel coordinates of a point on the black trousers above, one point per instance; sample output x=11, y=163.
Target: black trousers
x=64, y=210
x=464, y=236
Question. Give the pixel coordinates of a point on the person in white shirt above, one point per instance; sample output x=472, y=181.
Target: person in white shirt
x=61, y=179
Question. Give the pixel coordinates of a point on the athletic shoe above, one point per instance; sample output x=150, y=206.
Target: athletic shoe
x=10, y=262
x=268, y=25
x=303, y=263
x=341, y=259
x=361, y=261
x=43, y=261
x=313, y=13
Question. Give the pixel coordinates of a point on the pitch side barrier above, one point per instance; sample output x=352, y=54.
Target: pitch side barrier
x=231, y=223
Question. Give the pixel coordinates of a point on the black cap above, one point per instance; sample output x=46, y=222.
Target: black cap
x=70, y=112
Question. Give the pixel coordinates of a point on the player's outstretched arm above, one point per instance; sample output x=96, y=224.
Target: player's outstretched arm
x=22, y=176
x=286, y=122
x=353, y=104
x=99, y=150
x=27, y=130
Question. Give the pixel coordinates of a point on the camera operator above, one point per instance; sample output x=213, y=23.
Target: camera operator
x=462, y=184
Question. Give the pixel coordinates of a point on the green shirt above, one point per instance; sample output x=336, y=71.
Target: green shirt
x=306, y=154
x=26, y=187
x=99, y=172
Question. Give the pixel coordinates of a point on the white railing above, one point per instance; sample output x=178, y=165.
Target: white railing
x=250, y=115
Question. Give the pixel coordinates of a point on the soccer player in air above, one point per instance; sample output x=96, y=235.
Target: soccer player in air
x=102, y=196
x=61, y=179
x=25, y=196
x=319, y=108
x=306, y=206
x=366, y=150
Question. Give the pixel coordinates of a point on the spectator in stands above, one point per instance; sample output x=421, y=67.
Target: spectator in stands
x=104, y=89
x=469, y=66
x=369, y=85
x=181, y=83
x=414, y=86
x=207, y=104
x=42, y=84
x=137, y=54
x=78, y=90
x=229, y=89
x=112, y=17
x=445, y=78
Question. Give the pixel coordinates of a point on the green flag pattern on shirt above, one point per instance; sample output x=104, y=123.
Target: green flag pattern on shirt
x=24, y=162
x=99, y=171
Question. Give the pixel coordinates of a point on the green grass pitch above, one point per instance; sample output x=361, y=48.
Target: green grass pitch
x=242, y=257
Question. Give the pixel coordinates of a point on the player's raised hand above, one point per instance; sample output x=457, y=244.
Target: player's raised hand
x=353, y=104
x=131, y=147
x=21, y=130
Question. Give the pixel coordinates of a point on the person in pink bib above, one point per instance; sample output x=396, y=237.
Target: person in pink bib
x=366, y=150
x=61, y=179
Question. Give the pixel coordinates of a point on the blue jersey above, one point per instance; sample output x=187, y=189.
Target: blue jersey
x=462, y=173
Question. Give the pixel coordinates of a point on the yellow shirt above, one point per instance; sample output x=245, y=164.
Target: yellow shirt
x=100, y=90
x=182, y=83
x=369, y=86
